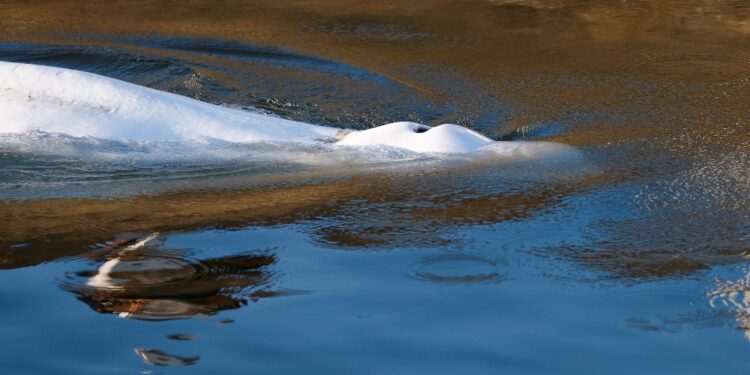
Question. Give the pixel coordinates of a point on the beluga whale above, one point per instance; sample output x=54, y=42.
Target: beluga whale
x=36, y=98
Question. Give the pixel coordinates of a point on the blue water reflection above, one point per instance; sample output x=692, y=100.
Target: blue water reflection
x=336, y=311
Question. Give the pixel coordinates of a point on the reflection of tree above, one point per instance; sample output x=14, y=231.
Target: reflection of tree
x=136, y=280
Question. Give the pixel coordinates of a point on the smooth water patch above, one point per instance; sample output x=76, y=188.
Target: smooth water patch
x=339, y=301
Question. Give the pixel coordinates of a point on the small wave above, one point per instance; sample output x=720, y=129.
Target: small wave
x=46, y=165
x=456, y=269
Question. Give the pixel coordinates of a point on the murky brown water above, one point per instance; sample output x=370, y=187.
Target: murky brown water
x=634, y=260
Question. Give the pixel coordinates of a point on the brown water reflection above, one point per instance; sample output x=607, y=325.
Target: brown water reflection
x=408, y=31
x=356, y=212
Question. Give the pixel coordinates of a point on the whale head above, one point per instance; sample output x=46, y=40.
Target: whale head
x=446, y=138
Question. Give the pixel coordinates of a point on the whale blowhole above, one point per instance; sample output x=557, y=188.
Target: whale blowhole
x=421, y=128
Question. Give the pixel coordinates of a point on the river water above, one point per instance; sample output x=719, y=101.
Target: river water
x=161, y=258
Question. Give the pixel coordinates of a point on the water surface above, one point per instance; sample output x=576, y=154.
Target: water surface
x=158, y=257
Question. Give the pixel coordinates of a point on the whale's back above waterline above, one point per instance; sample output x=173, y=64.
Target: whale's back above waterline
x=36, y=98
x=57, y=100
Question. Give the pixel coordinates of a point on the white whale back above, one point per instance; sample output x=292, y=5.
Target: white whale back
x=36, y=98
x=80, y=104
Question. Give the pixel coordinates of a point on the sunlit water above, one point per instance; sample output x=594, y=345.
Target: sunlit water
x=152, y=257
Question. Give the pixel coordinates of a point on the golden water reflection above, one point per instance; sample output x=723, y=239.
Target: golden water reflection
x=379, y=210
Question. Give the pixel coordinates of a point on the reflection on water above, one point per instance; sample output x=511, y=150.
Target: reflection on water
x=457, y=268
x=137, y=279
x=159, y=358
x=734, y=297
x=182, y=337
x=371, y=211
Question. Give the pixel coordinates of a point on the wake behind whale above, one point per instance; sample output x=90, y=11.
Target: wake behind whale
x=40, y=100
